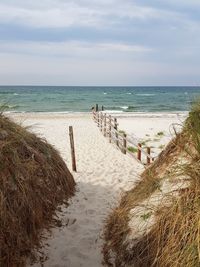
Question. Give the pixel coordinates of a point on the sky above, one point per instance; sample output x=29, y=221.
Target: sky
x=100, y=42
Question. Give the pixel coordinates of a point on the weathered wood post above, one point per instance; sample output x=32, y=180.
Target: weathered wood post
x=139, y=152
x=124, y=143
x=116, y=134
x=97, y=119
x=101, y=121
x=71, y=136
x=105, y=125
x=110, y=129
x=149, y=153
x=97, y=108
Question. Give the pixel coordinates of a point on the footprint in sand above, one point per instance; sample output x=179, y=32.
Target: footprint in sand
x=78, y=254
x=90, y=212
x=87, y=242
x=65, y=257
x=69, y=221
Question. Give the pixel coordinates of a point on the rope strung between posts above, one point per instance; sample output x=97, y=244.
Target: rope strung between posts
x=109, y=127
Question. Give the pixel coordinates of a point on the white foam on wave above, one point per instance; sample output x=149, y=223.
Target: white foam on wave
x=114, y=111
x=15, y=94
x=15, y=111
x=124, y=107
x=105, y=93
x=145, y=94
x=10, y=106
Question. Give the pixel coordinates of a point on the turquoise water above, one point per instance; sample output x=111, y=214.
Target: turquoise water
x=81, y=99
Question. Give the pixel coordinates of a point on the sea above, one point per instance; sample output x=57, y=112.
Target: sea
x=66, y=99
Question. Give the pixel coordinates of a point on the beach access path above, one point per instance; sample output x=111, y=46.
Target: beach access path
x=103, y=173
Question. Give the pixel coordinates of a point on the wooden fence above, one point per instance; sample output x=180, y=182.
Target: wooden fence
x=108, y=125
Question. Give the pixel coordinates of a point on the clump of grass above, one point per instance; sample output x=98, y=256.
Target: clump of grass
x=143, y=143
x=160, y=134
x=132, y=149
x=192, y=125
x=34, y=180
x=146, y=216
x=122, y=132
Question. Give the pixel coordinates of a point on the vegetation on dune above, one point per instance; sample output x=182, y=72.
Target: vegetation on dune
x=132, y=149
x=122, y=132
x=161, y=146
x=174, y=237
x=160, y=134
x=34, y=180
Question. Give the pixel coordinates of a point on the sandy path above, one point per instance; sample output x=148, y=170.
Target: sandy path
x=103, y=173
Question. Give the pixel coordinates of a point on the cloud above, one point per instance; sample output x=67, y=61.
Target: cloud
x=51, y=17
x=74, y=49
x=181, y=3
x=55, y=14
x=99, y=41
x=27, y=69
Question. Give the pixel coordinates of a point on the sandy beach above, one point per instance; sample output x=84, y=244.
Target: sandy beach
x=103, y=174
x=65, y=67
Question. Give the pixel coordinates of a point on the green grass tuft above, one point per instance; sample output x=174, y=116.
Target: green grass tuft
x=160, y=134
x=146, y=216
x=122, y=132
x=132, y=149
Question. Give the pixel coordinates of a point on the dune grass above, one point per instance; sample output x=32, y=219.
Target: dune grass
x=174, y=239
x=132, y=149
x=161, y=146
x=160, y=134
x=34, y=180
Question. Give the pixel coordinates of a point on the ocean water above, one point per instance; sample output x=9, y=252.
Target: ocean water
x=81, y=99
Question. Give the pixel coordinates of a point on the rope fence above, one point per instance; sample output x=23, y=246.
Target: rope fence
x=109, y=127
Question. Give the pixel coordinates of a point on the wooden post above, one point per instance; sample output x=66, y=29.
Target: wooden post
x=95, y=116
x=149, y=153
x=101, y=121
x=71, y=136
x=110, y=128
x=102, y=108
x=139, y=152
x=124, y=143
x=97, y=119
x=97, y=108
x=105, y=125
x=116, y=134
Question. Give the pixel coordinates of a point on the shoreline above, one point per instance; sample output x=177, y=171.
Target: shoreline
x=116, y=114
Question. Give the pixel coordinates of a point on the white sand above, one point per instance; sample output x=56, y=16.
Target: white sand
x=103, y=173
x=145, y=128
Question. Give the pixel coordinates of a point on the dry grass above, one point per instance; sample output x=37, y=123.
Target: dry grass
x=174, y=239
x=34, y=180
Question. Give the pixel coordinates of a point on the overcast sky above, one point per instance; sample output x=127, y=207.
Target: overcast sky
x=100, y=42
